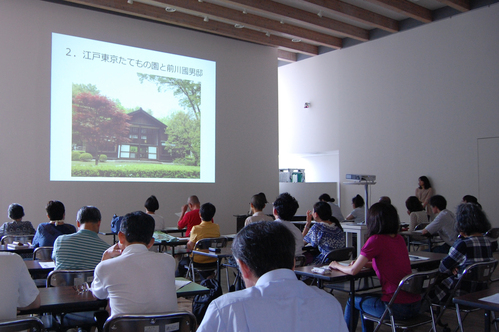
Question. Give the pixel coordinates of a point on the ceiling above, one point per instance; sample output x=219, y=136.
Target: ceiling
x=297, y=28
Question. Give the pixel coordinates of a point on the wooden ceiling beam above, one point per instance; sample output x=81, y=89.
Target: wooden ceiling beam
x=461, y=5
x=197, y=23
x=257, y=22
x=287, y=12
x=359, y=14
x=407, y=8
x=286, y=56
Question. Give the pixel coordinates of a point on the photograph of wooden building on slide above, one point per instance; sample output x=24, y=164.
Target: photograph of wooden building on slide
x=110, y=139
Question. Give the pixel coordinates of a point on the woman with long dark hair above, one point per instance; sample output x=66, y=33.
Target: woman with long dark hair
x=424, y=191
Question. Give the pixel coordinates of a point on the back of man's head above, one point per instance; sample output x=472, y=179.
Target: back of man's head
x=265, y=246
x=16, y=211
x=194, y=200
x=438, y=201
x=286, y=206
x=88, y=214
x=151, y=203
x=259, y=201
x=138, y=227
x=207, y=211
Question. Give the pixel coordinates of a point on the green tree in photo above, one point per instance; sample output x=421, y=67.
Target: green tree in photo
x=183, y=135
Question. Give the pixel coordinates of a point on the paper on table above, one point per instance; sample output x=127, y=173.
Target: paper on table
x=345, y=263
x=47, y=265
x=181, y=283
x=418, y=258
x=492, y=298
x=178, y=214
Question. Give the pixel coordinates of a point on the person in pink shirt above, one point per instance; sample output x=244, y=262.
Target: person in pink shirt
x=386, y=252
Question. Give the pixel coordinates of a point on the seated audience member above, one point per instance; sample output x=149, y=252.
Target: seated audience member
x=285, y=207
x=443, y=224
x=274, y=300
x=16, y=286
x=47, y=232
x=326, y=234
x=471, y=247
x=17, y=226
x=81, y=250
x=335, y=209
x=206, y=229
x=416, y=212
x=190, y=215
x=385, y=199
x=358, y=213
x=257, y=205
x=386, y=252
x=471, y=199
x=151, y=206
x=136, y=280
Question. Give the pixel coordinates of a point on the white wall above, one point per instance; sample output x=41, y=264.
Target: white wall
x=246, y=139
x=411, y=104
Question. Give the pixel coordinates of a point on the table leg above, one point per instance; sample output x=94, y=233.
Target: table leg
x=487, y=321
x=359, y=242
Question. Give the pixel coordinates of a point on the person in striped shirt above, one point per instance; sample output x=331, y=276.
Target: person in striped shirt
x=81, y=250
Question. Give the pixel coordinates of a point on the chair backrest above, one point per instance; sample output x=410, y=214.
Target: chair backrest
x=30, y=324
x=69, y=277
x=215, y=242
x=176, y=321
x=421, y=226
x=417, y=283
x=493, y=233
x=43, y=254
x=7, y=239
x=300, y=260
x=342, y=254
x=478, y=272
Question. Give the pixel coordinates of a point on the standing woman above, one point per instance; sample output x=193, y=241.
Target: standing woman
x=424, y=193
x=326, y=234
x=386, y=252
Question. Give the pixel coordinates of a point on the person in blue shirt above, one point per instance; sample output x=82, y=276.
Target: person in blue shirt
x=47, y=232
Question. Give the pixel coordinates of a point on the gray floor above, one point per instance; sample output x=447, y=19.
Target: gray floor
x=474, y=321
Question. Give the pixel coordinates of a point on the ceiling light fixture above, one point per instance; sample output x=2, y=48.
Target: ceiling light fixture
x=200, y=0
x=238, y=26
x=282, y=22
x=296, y=40
x=170, y=9
x=319, y=13
x=130, y=2
x=267, y=34
x=206, y=19
x=244, y=11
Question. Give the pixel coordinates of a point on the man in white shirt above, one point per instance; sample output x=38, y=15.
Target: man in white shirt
x=274, y=300
x=285, y=207
x=443, y=224
x=16, y=286
x=136, y=280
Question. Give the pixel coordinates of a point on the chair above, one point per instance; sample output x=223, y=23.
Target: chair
x=30, y=324
x=182, y=321
x=8, y=239
x=43, y=254
x=419, y=240
x=417, y=283
x=342, y=254
x=205, y=244
x=69, y=277
x=477, y=273
x=300, y=260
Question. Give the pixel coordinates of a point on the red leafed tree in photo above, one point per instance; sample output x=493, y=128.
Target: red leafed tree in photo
x=98, y=122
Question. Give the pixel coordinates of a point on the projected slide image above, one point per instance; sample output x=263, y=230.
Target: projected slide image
x=165, y=145
x=130, y=119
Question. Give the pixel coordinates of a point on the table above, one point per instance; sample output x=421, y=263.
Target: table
x=224, y=253
x=34, y=267
x=416, y=234
x=174, y=229
x=180, y=242
x=359, y=229
x=473, y=300
x=337, y=276
x=110, y=233
x=25, y=250
x=66, y=299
